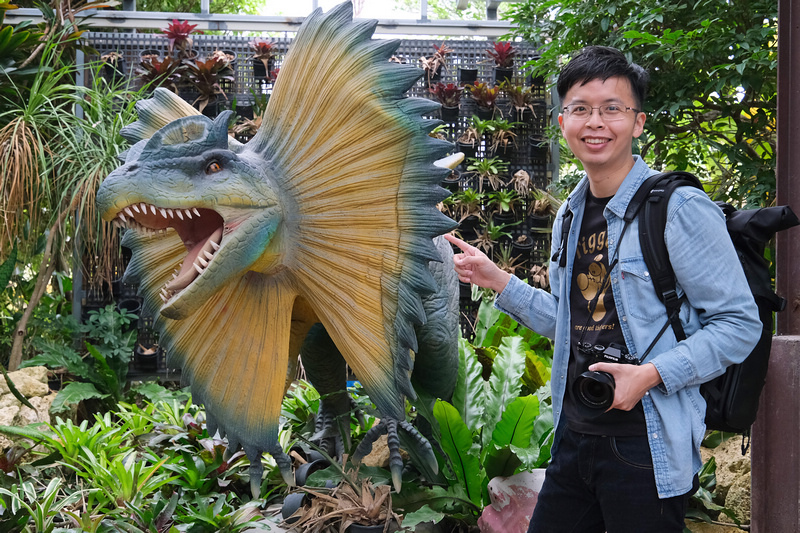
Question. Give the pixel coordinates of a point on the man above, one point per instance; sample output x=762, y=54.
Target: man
x=631, y=467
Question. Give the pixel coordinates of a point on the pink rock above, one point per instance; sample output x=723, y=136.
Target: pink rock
x=513, y=499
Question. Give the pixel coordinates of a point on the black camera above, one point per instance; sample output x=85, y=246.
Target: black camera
x=594, y=391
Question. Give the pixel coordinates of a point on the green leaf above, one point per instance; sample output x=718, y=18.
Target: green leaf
x=108, y=378
x=462, y=452
x=13, y=388
x=73, y=394
x=504, y=383
x=501, y=461
x=424, y=514
x=516, y=423
x=469, y=396
x=7, y=269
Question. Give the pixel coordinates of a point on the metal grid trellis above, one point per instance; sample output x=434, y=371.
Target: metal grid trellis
x=466, y=54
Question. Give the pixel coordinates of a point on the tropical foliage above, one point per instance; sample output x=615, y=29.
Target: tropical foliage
x=712, y=102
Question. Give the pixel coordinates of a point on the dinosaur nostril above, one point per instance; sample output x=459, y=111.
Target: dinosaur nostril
x=133, y=168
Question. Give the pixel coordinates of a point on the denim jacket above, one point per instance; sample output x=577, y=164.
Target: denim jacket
x=719, y=316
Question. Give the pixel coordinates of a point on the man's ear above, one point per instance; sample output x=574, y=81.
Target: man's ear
x=561, y=122
x=638, y=126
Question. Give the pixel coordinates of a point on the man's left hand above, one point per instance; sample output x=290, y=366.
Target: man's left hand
x=631, y=382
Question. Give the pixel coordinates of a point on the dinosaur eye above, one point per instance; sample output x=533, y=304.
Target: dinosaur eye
x=213, y=168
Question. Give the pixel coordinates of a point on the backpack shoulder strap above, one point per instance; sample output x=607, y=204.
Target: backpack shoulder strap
x=652, y=199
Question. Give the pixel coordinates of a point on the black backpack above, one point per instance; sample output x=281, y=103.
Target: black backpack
x=732, y=398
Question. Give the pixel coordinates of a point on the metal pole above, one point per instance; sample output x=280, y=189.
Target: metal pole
x=775, y=484
x=77, y=261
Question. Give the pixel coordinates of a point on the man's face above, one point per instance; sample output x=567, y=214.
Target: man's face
x=603, y=146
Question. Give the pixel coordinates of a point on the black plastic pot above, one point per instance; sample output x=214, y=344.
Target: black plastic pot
x=361, y=528
x=469, y=150
x=260, y=72
x=484, y=113
x=503, y=74
x=467, y=75
x=291, y=504
x=453, y=181
x=146, y=358
x=132, y=306
x=303, y=471
x=114, y=71
x=449, y=114
x=539, y=147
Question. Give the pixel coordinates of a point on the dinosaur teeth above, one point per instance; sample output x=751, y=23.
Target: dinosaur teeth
x=188, y=213
x=178, y=212
x=203, y=262
x=163, y=212
x=195, y=211
x=198, y=268
x=122, y=217
x=209, y=255
x=136, y=208
x=144, y=207
x=215, y=245
x=128, y=212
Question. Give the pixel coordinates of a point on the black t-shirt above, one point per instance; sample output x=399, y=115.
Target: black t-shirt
x=594, y=320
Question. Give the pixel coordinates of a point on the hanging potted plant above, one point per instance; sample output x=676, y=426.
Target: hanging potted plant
x=503, y=206
x=521, y=183
x=503, y=138
x=113, y=66
x=523, y=101
x=540, y=209
x=539, y=147
x=485, y=97
x=205, y=76
x=263, y=58
x=178, y=34
x=508, y=261
x=435, y=64
x=449, y=95
x=470, y=139
x=228, y=82
x=488, y=172
x=503, y=55
x=490, y=234
x=153, y=71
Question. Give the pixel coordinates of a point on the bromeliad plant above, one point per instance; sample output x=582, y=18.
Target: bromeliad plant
x=154, y=71
x=503, y=54
x=484, y=95
x=434, y=64
x=264, y=51
x=205, y=75
x=179, y=33
x=447, y=94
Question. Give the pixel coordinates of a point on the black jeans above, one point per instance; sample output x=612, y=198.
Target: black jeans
x=598, y=484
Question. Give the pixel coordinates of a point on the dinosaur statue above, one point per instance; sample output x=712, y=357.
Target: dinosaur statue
x=326, y=216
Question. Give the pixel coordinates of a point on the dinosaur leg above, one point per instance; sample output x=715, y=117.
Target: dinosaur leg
x=327, y=371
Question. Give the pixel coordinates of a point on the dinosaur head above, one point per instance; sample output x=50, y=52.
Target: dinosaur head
x=222, y=204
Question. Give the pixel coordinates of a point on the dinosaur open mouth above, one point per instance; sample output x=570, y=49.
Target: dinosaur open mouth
x=200, y=229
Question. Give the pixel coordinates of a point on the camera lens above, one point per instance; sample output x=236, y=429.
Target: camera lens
x=595, y=390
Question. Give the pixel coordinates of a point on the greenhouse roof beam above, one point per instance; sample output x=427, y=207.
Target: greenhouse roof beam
x=226, y=22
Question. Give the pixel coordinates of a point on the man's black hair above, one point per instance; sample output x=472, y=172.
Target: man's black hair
x=602, y=63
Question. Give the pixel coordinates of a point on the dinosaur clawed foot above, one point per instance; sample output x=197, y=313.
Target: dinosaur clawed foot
x=420, y=447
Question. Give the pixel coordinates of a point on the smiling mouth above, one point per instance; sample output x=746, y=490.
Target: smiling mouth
x=200, y=229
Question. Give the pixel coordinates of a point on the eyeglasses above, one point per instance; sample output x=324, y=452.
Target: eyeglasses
x=609, y=112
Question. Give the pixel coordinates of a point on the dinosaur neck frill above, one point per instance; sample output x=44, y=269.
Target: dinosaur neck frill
x=354, y=164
